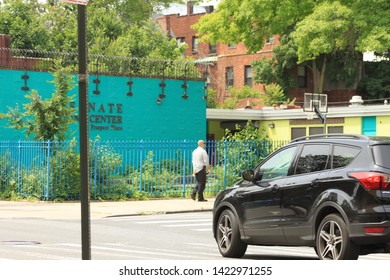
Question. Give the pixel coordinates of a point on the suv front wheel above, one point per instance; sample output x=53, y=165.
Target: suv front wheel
x=332, y=240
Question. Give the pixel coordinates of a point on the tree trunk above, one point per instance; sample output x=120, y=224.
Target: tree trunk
x=318, y=75
x=314, y=70
x=322, y=76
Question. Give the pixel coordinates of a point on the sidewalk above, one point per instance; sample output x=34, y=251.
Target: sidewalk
x=72, y=210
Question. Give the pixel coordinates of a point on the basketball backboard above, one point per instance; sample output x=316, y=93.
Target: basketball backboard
x=315, y=100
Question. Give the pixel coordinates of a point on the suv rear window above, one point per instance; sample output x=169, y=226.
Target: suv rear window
x=343, y=155
x=382, y=155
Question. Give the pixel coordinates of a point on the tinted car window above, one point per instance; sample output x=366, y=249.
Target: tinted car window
x=382, y=155
x=277, y=166
x=343, y=155
x=313, y=158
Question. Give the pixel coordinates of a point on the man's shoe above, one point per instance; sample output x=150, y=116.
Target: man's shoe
x=193, y=196
x=202, y=200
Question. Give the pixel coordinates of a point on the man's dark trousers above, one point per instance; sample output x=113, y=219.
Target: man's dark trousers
x=200, y=183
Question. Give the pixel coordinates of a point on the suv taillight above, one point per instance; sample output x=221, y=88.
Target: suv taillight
x=372, y=180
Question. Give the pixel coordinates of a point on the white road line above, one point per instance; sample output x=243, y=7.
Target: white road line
x=188, y=225
x=172, y=221
x=146, y=251
x=27, y=255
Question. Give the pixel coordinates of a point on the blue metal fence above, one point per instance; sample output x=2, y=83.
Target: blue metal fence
x=50, y=170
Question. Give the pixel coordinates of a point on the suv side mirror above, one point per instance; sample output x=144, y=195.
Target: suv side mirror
x=248, y=175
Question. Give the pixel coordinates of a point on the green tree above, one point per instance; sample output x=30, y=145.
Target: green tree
x=273, y=95
x=319, y=30
x=235, y=95
x=142, y=41
x=376, y=82
x=20, y=19
x=114, y=27
x=249, y=132
x=46, y=119
x=278, y=68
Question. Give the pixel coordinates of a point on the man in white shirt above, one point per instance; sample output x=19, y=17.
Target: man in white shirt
x=201, y=167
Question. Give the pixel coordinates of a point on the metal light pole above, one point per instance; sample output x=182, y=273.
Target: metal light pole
x=84, y=139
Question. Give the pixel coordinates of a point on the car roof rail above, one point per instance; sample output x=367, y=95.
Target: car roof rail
x=331, y=135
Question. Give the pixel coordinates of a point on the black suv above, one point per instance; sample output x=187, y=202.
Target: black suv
x=330, y=192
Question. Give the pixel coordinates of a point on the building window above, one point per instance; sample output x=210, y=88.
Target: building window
x=335, y=129
x=195, y=44
x=316, y=130
x=180, y=40
x=302, y=77
x=232, y=46
x=212, y=48
x=229, y=77
x=297, y=132
x=248, y=76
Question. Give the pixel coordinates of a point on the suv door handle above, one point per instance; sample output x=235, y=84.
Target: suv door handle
x=275, y=188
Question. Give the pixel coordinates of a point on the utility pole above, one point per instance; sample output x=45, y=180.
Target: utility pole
x=84, y=139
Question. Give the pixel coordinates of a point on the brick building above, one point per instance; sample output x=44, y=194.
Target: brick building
x=232, y=65
x=10, y=60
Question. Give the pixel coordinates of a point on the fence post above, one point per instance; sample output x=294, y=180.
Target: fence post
x=224, y=146
x=46, y=193
x=19, y=164
x=141, y=150
x=95, y=149
x=184, y=168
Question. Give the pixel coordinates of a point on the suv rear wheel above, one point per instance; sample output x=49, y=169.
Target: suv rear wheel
x=228, y=236
x=332, y=240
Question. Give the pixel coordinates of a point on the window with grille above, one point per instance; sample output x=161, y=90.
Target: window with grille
x=195, y=44
x=229, y=77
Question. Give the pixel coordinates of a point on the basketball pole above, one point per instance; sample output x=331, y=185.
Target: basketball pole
x=321, y=116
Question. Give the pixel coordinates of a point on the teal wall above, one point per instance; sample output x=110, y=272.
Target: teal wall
x=113, y=114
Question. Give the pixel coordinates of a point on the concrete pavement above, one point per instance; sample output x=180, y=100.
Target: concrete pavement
x=99, y=209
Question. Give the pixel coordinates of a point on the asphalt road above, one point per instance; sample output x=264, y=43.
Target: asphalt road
x=185, y=236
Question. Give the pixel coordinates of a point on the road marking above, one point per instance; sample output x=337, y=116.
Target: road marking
x=172, y=221
x=188, y=225
x=151, y=252
x=28, y=255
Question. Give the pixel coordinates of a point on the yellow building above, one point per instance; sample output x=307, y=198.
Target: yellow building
x=287, y=124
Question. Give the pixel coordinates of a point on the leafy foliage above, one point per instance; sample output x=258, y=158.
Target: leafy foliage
x=46, y=119
x=274, y=95
x=249, y=132
x=211, y=101
x=376, y=83
x=65, y=172
x=315, y=34
x=235, y=95
x=239, y=151
x=114, y=27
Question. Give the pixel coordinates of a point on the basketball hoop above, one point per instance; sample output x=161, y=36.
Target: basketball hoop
x=315, y=100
